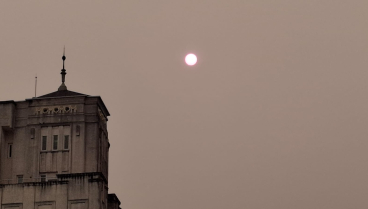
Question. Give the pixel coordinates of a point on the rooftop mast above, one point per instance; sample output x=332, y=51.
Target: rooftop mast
x=36, y=86
x=63, y=73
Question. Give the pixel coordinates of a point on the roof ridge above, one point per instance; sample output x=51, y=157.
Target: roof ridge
x=64, y=93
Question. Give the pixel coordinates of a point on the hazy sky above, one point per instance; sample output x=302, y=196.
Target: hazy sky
x=273, y=116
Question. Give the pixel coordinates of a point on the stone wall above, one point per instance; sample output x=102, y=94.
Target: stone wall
x=37, y=176
x=80, y=191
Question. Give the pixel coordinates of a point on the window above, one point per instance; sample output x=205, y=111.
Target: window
x=55, y=144
x=10, y=150
x=33, y=132
x=20, y=179
x=44, y=143
x=66, y=142
x=77, y=131
x=43, y=178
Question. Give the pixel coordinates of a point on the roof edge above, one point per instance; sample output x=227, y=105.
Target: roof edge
x=36, y=98
x=103, y=106
x=7, y=102
x=61, y=93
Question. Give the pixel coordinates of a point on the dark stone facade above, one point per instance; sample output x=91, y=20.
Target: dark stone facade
x=54, y=153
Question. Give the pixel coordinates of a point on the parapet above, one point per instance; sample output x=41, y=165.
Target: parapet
x=7, y=110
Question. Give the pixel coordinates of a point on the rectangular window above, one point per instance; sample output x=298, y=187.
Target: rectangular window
x=55, y=144
x=66, y=142
x=77, y=131
x=33, y=133
x=10, y=150
x=20, y=179
x=43, y=178
x=44, y=143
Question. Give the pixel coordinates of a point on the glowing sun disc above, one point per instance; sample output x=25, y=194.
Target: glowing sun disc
x=191, y=59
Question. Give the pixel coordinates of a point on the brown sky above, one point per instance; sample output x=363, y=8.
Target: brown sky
x=273, y=116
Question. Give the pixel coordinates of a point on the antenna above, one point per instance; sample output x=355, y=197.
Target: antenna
x=63, y=73
x=36, y=86
x=63, y=56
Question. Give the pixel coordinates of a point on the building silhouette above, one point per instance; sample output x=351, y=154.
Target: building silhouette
x=54, y=152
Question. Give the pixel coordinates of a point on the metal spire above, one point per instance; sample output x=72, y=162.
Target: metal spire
x=63, y=73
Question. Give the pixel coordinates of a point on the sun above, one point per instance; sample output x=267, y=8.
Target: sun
x=191, y=59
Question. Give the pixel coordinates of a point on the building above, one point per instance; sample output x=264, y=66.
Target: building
x=54, y=152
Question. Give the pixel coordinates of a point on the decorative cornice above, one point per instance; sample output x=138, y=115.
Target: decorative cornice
x=91, y=175
x=46, y=183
